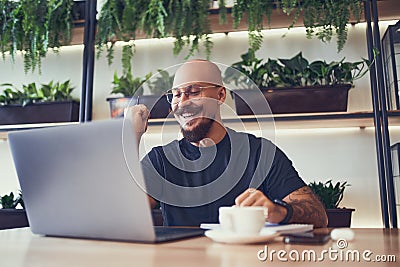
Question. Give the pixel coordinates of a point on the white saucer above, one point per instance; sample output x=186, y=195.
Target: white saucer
x=231, y=238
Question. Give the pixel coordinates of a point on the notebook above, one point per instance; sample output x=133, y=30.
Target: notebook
x=76, y=183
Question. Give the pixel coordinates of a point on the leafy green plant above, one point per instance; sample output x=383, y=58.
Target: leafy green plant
x=34, y=26
x=161, y=83
x=119, y=20
x=295, y=71
x=188, y=21
x=10, y=95
x=325, y=19
x=255, y=11
x=10, y=201
x=31, y=93
x=250, y=66
x=330, y=194
x=127, y=85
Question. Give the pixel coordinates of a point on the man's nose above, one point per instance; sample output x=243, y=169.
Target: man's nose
x=183, y=99
x=183, y=102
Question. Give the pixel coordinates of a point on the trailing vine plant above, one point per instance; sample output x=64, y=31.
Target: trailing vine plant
x=185, y=20
x=255, y=11
x=324, y=19
x=188, y=23
x=34, y=26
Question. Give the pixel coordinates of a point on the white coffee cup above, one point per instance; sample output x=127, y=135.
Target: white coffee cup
x=242, y=220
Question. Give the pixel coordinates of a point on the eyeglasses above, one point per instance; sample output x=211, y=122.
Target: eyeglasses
x=191, y=91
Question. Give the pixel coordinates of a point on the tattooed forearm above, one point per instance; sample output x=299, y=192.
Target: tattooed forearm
x=307, y=208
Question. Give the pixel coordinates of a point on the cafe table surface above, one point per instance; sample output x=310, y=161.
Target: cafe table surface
x=370, y=247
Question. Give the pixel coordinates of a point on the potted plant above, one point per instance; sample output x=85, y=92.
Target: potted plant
x=293, y=85
x=50, y=102
x=10, y=216
x=331, y=195
x=132, y=89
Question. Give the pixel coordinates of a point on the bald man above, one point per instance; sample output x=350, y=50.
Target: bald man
x=214, y=166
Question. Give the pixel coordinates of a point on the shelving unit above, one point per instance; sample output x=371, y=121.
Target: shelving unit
x=282, y=121
x=381, y=116
x=388, y=9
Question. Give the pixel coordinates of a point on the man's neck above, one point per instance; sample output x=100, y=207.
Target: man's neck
x=215, y=135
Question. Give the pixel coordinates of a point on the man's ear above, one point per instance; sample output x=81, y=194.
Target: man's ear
x=221, y=95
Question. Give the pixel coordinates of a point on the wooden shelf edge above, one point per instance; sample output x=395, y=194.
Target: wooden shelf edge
x=282, y=121
x=304, y=120
x=5, y=129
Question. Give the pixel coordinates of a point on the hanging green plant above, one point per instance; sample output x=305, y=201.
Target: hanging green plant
x=188, y=21
x=120, y=20
x=34, y=26
x=325, y=19
x=255, y=11
x=60, y=22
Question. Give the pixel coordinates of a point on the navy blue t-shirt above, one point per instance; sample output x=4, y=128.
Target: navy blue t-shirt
x=211, y=177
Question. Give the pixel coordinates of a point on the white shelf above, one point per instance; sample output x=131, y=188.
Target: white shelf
x=4, y=129
x=282, y=121
x=305, y=120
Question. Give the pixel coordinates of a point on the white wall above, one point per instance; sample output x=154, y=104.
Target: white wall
x=338, y=154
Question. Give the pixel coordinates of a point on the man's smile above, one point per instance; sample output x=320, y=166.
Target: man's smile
x=189, y=113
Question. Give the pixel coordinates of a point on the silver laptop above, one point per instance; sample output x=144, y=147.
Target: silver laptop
x=76, y=183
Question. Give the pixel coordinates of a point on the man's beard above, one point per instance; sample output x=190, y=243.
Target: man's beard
x=199, y=132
